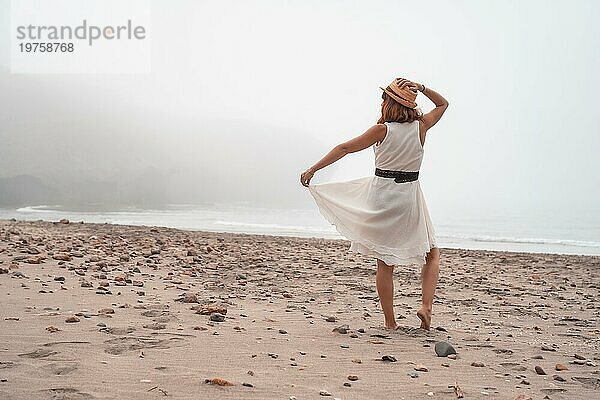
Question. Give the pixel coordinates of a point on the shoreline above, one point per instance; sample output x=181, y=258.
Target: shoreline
x=291, y=236
x=108, y=311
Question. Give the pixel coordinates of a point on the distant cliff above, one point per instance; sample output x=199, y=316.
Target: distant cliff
x=25, y=190
x=146, y=189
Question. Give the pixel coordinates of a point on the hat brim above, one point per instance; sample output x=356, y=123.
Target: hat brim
x=399, y=99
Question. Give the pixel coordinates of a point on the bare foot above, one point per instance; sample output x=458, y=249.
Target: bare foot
x=425, y=316
x=391, y=327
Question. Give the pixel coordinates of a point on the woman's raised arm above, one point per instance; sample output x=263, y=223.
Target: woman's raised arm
x=433, y=116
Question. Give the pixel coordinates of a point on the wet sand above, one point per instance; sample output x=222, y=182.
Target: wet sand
x=100, y=311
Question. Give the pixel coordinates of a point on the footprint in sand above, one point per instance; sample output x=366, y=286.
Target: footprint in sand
x=60, y=368
x=39, y=353
x=66, y=393
x=124, y=344
x=118, y=330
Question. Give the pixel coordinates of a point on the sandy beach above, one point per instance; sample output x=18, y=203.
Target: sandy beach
x=100, y=311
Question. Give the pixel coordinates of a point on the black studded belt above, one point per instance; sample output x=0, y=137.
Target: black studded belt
x=399, y=176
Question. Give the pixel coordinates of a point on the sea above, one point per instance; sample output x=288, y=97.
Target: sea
x=515, y=233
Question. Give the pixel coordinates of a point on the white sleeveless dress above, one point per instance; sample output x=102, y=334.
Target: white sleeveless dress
x=382, y=218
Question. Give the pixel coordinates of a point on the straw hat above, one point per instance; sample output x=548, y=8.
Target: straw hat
x=403, y=94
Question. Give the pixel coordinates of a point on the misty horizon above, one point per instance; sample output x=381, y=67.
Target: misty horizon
x=239, y=117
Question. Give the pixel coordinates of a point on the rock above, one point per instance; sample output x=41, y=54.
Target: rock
x=560, y=367
x=282, y=331
x=72, y=319
x=106, y=311
x=59, y=278
x=138, y=283
x=343, y=329
x=34, y=260
x=558, y=378
x=52, y=329
x=330, y=319
x=219, y=382
x=208, y=310
x=421, y=368
x=352, y=377
x=413, y=374
x=324, y=393
x=217, y=317
x=64, y=221
x=539, y=370
x=388, y=358
x=155, y=326
x=579, y=357
x=477, y=364
x=190, y=298
x=247, y=384
x=444, y=349
x=548, y=348
x=62, y=256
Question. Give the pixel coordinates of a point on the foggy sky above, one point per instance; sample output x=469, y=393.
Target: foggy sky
x=245, y=95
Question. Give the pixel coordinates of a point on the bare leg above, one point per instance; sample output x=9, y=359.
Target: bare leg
x=429, y=278
x=385, y=289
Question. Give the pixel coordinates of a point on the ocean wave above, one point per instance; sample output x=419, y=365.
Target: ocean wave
x=507, y=239
x=38, y=209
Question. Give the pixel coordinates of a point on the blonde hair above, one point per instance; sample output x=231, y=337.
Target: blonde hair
x=392, y=111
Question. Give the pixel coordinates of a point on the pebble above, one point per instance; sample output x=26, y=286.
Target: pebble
x=444, y=349
x=421, y=368
x=219, y=382
x=388, y=358
x=539, y=370
x=190, y=298
x=282, y=331
x=560, y=367
x=324, y=393
x=217, y=317
x=343, y=329
x=477, y=364
x=352, y=377
x=71, y=319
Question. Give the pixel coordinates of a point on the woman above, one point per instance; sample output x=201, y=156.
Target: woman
x=385, y=216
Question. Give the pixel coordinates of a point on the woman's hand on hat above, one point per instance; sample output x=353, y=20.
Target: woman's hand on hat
x=306, y=176
x=413, y=85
